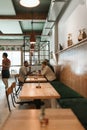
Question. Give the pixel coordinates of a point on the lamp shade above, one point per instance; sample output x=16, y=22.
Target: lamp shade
x=32, y=46
x=29, y=3
x=32, y=38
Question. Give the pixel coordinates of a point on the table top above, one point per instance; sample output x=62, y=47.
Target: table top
x=58, y=119
x=38, y=91
x=35, y=79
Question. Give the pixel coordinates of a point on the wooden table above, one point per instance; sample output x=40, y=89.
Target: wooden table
x=35, y=79
x=59, y=119
x=36, y=91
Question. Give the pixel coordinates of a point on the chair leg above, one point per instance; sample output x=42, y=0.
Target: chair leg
x=18, y=90
x=13, y=100
x=8, y=103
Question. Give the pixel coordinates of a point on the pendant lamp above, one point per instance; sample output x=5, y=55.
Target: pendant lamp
x=32, y=36
x=29, y=3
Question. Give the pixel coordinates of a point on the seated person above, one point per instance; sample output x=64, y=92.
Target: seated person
x=48, y=63
x=47, y=72
x=23, y=72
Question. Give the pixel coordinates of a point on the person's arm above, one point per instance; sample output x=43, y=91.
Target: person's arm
x=9, y=64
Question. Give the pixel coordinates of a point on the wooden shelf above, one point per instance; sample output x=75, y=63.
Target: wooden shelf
x=84, y=41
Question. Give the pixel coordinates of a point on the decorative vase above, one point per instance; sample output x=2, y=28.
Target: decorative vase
x=69, y=41
x=84, y=34
x=80, y=37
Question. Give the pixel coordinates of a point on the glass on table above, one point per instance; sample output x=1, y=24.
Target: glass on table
x=44, y=122
x=43, y=119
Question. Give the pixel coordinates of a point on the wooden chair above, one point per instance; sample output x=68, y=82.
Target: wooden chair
x=9, y=95
x=18, y=84
x=13, y=85
x=16, y=100
x=15, y=94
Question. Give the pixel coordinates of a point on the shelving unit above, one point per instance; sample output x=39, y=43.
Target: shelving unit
x=84, y=41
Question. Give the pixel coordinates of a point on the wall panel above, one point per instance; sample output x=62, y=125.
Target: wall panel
x=73, y=72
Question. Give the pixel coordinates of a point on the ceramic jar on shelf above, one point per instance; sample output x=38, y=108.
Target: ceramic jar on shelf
x=69, y=41
x=82, y=34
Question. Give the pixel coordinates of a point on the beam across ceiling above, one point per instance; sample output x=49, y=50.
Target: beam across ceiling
x=24, y=34
x=39, y=16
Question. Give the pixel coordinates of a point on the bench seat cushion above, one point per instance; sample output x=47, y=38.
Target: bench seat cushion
x=65, y=91
x=79, y=107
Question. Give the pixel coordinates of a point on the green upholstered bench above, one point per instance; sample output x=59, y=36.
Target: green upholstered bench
x=65, y=91
x=72, y=99
x=79, y=107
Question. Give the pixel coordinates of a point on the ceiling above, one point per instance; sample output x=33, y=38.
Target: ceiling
x=16, y=21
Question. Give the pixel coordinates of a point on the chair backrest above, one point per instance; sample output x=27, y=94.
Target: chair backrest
x=18, y=82
x=13, y=85
x=16, y=77
x=17, y=88
x=9, y=92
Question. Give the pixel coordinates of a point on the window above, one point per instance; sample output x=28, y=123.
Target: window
x=15, y=57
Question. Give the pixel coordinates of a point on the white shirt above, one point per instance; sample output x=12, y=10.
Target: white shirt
x=48, y=73
x=22, y=73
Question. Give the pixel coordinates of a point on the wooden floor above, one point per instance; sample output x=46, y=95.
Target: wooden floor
x=4, y=112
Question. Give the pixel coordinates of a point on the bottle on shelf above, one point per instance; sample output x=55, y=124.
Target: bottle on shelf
x=69, y=41
x=80, y=36
x=60, y=47
x=84, y=33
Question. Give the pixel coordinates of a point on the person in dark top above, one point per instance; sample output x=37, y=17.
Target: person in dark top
x=5, y=69
x=47, y=61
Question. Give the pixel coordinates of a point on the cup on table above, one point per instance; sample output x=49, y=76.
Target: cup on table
x=44, y=122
